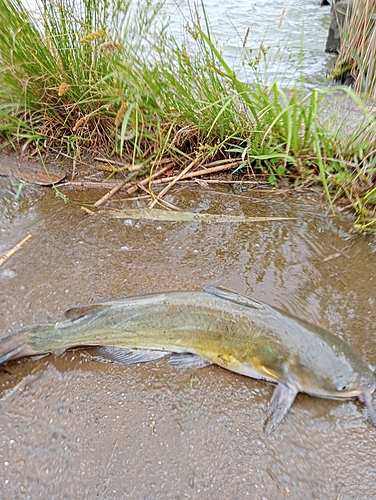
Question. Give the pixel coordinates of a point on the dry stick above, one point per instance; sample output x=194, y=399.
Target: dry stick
x=117, y=188
x=122, y=164
x=211, y=170
x=108, y=195
x=112, y=184
x=168, y=205
x=224, y=161
x=197, y=173
x=143, y=188
x=87, y=211
x=134, y=188
x=164, y=180
x=173, y=182
x=93, y=184
x=136, y=198
x=171, y=206
x=14, y=249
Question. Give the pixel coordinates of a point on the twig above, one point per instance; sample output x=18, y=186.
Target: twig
x=133, y=187
x=87, y=211
x=164, y=202
x=108, y=195
x=131, y=167
x=207, y=171
x=136, y=198
x=173, y=182
x=93, y=184
x=209, y=181
x=158, y=173
x=14, y=249
x=171, y=206
x=198, y=173
x=143, y=188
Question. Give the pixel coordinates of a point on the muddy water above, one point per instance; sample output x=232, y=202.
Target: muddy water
x=72, y=428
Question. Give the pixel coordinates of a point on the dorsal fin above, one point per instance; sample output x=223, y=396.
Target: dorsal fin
x=79, y=312
x=238, y=298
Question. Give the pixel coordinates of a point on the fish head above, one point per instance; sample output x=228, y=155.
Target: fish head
x=342, y=379
x=334, y=371
x=347, y=382
x=349, y=385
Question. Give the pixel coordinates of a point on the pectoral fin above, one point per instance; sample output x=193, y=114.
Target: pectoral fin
x=282, y=399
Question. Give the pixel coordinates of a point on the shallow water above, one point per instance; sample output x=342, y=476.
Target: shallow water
x=73, y=428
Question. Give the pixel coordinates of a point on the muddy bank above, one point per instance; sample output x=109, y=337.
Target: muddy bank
x=75, y=428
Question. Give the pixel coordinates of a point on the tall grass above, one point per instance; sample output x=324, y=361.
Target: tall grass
x=100, y=74
x=358, y=44
x=60, y=66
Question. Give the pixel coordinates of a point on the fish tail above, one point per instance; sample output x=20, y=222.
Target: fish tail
x=24, y=342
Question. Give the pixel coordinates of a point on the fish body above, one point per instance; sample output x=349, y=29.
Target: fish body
x=217, y=326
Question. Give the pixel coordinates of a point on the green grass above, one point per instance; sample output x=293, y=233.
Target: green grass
x=107, y=76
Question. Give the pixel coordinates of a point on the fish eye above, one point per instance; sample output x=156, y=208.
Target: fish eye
x=341, y=385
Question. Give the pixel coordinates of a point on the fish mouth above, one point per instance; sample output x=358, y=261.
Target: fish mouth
x=344, y=396
x=359, y=390
x=349, y=394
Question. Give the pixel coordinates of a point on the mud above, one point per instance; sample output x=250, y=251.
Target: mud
x=73, y=428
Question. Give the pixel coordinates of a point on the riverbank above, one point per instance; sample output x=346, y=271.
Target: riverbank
x=72, y=426
x=130, y=94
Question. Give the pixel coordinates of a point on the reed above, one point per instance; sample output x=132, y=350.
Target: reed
x=60, y=77
x=357, y=54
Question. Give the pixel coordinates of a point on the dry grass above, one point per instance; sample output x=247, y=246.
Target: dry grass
x=358, y=45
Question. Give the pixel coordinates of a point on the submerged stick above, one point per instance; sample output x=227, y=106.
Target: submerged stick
x=108, y=195
x=13, y=250
x=168, y=216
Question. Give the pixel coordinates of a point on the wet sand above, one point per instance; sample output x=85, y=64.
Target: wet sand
x=73, y=428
